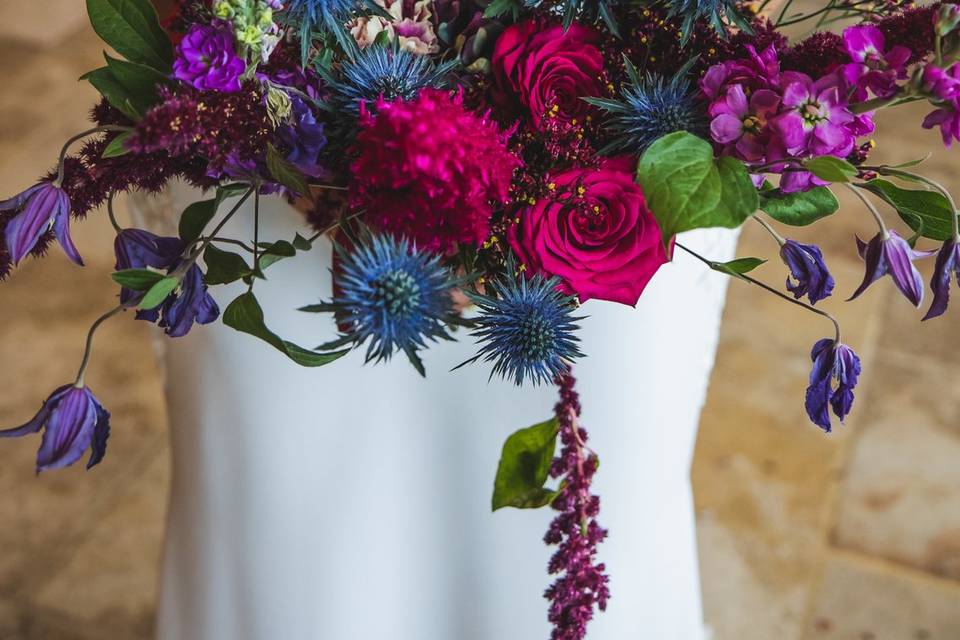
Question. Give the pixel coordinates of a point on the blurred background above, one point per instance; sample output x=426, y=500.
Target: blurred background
x=803, y=536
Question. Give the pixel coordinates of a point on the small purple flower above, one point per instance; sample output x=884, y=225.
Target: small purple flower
x=836, y=369
x=814, y=117
x=37, y=210
x=190, y=303
x=207, y=58
x=873, y=67
x=888, y=253
x=948, y=263
x=947, y=118
x=809, y=275
x=305, y=138
x=940, y=83
x=73, y=421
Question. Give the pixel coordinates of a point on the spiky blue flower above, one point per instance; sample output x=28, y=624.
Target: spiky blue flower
x=650, y=107
x=584, y=11
x=392, y=297
x=387, y=72
x=712, y=11
x=325, y=16
x=525, y=328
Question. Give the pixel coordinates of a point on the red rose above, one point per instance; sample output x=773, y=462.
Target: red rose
x=594, y=232
x=546, y=70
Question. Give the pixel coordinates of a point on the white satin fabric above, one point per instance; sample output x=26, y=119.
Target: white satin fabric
x=353, y=502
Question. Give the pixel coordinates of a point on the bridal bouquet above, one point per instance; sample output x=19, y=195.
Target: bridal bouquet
x=493, y=165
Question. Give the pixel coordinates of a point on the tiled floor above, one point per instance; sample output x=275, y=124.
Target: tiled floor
x=852, y=536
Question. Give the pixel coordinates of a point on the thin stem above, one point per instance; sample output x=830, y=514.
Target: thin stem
x=872, y=209
x=88, y=348
x=766, y=287
x=111, y=214
x=192, y=255
x=773, y=232
x=66, y=146
x=239, y=243
x=256, y=231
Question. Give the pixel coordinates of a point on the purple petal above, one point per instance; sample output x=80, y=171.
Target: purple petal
x=69, y=431
x=872, y=254
x=898, y=255
x=16, y=202
x=61, y=228
x=98, y=446
x=25, y=228
x=947, y=263
x=726, y=128
x=37, y=422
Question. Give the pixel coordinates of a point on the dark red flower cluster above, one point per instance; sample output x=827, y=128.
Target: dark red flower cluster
x=583, y=583
x=911, y=28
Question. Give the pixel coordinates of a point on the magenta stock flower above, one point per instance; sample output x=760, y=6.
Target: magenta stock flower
x=40, y=208
x=741, y=123
x=873, y=67
x=888, y=253
x=207, y=58
x=813, y=118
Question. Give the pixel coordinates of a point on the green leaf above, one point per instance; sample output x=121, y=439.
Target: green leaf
x=195, y=218
x=117, y=146
x=301, y=244
x=285, y=173
x=831, y=168
x=909, y=163
x=926, y=212
x=131, y=27
x=525, y=466
x=137, y=279
x=234, y=190
x=224, y=267
x=499, y=8
x=116, y=94
x=245, y=315
x=737, y=267
x=686, y=188
x=273, y=252
x=139, y=81
x=799, y=209
x=158, y=293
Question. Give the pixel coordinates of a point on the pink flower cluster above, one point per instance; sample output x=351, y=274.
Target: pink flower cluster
x=430, y=170
x=763, y=115
x=943, y=87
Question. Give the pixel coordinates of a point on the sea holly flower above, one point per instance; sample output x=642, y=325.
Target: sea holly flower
x=948, y=263
x=73, y=420
x=808, y=272
x=190, y=303
x=836, y=369
x=740, y=123
x=873, y=67
x=888, y=253
x=40, y=208
x=207, y=58
x=526, y=328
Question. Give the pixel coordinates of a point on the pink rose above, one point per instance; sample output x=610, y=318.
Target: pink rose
x=546, y=70
x=594, y=232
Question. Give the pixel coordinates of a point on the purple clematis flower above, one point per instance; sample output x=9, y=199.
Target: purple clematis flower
x=836, y=369
x=207, y=58
x=306, y=139
x=73, y=421
x=873, y=67
x=948, y=263
x=809, y=275
x=190, y=303
x=37, y=210
x=888, y=253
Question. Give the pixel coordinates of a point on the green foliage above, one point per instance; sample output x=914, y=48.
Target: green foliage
x=926, y=212
x=131, y=27
x=285, y=173
x=831, y=168
x=798, y=209
x=137, y=279
x=117, y=146
x=159, y=292
x=738, y=267
x=687, y=188
x=525, y=466
x=224, y=267
x=245, y=315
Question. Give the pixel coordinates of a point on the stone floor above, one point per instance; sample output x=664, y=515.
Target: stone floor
x=852, y=536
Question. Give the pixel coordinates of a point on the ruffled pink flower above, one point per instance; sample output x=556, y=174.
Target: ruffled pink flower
x=430, y=170
x=873, y=67
x=741, y=124
x=594, y=232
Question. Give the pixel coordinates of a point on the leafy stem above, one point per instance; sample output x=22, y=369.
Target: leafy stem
x=83, y=134
x=872, y=209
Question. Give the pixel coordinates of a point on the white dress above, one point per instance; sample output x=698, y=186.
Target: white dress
x=353, y=502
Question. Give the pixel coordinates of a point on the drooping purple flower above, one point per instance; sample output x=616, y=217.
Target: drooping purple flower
x=809, y=275
x=73, y=420
x=948, y=263
x=207, y=58
x=888, y=253
x=873, y=67
x=35, y=211
x=305, y=138
x=836, y=369
x=189, y=303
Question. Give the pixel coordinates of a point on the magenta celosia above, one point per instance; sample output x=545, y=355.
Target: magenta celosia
x=430, y=170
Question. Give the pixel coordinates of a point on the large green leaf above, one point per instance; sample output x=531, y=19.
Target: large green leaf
x=195, y=218
x=245, y=315
x=131, y=27
x=686, y=188
x=159, y=292
x=926, y=212
x=525, y=466
x=831, y=168
x=799, y=209
x=137, y=279
x=285, y=173
x=139, y=81
x=224, y=267
x=116, y=94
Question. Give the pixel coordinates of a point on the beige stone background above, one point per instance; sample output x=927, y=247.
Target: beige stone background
x=803, y=536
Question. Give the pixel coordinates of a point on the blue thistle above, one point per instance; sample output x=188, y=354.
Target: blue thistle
x=324, y=16
x=525, y=328
x=389, y=72
x=583, y=10
x=712, y=11
x=650, y=107
x=392, y=296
